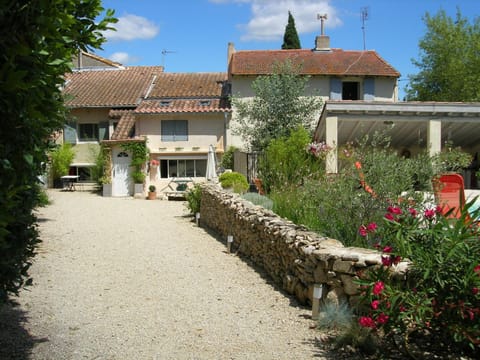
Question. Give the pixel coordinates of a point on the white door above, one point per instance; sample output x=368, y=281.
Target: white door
x=121, y=184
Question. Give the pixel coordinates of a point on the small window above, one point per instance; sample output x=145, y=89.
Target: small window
x=204, y=102
x=88, y=132
x=164, y=102
x=174, y=130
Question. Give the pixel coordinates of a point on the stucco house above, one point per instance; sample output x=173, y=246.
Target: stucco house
x=360, y=93
x=179, y=115
x=98, y=94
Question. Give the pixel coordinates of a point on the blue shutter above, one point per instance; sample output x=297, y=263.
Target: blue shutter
x=181, y=130
x=335, y=89
x=70, y=133
x=168, y=130
x=369, y=89
x=103, y=131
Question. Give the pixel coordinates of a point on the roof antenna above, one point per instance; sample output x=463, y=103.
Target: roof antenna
x=364, y=18
x=164, y=53
x=322, y=19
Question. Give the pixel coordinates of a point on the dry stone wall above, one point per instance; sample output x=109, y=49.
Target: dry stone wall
x=292, y=256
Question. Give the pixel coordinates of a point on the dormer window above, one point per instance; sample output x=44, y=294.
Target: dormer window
x=164, y=102
x=204, y=102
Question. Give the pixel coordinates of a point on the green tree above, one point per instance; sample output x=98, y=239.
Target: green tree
x=34, y=57
x=449, y=60
x=279, y=106
x=290, y=37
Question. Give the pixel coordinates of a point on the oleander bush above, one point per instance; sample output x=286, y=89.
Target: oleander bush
x=441, y=297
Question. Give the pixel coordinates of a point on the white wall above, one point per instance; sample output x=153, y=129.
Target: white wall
x=203, y=130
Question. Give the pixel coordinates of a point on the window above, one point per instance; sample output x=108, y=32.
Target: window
x=88, y=132
x=174, y=130
x=183, y=168
x=350, y=90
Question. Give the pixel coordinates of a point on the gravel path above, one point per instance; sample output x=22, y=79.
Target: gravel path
x=135, y=279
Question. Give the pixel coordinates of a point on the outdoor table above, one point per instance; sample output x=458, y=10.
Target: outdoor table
x=69, y=181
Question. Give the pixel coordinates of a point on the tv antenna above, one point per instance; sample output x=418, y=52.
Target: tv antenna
x=164, y=54
x=365, y=15
x=322, y=19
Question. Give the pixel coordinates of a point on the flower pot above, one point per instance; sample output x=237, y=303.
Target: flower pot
x=152, y=195
x=107, y=190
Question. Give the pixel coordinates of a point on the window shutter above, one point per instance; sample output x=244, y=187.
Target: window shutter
x=168, y=130
x=103, y=131
x=335, y=89
x=70, y=133
x=369, y=89
x=181, y=130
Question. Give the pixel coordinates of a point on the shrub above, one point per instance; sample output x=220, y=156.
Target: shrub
x=152, y=188
x=61, y=157
x=227, y=158
x=194, y=199
x=238, y=182
x=336, y=205
x=442, y=294
x=287, y=162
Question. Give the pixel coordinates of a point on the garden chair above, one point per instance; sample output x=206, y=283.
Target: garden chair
x=449, y=192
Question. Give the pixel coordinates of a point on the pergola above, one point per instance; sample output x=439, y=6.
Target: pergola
x=415, y=125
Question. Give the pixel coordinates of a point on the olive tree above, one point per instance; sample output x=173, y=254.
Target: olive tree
x=278, y=107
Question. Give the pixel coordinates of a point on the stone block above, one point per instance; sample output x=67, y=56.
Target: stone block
x=345, y=267
x=320, y=275
x=349, y=285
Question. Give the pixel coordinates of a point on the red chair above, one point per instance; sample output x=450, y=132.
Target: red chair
x=450, y=195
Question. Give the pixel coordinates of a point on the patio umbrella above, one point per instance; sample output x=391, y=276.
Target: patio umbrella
x=211, y=173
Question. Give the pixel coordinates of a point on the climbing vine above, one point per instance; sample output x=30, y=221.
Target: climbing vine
x=139, y=153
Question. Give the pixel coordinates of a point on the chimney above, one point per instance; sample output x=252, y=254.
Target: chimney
x=322, y=42
x=230, y=51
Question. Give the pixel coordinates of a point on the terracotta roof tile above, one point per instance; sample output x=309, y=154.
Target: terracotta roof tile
x=334, y=62
x=185, y=85
x=124, y=126
x=106, y=88
x=183, y=106
x=187, y=93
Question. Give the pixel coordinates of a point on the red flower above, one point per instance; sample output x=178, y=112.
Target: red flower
x=386, y=260
x=378, y=287
x=372, y=227
x=389, y=216
x=438, y=209
x=362, y=231
x=429, y=213
x=382, y=318
x=412, y=212
x=387, y=249
x=366, y=321
x=394, y=210
x=475, y=291
x=396, y=260
x=477, y=269
x=402, y=308
x=375, y=304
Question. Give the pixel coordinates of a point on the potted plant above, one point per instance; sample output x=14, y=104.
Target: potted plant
x=152, y=192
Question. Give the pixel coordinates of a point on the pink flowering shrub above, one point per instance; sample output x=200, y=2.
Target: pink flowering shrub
x=441, y=290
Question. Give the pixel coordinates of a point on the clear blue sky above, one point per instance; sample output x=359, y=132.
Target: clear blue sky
x=192, y=35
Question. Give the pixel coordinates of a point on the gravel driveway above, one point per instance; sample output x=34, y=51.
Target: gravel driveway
x=135, y=279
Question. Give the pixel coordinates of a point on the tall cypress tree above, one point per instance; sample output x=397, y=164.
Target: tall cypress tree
x=290, y=38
